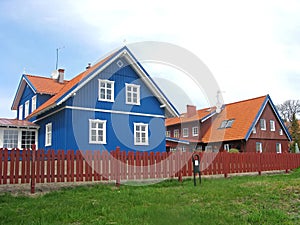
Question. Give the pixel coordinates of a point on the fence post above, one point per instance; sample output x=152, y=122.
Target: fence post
x=259, y=163
x=117, y=166
x=225, y=163
x=33, y=170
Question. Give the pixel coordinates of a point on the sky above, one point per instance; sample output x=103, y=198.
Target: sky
x=252, y=48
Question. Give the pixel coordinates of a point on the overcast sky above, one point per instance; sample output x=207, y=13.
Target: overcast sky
x=251, y=47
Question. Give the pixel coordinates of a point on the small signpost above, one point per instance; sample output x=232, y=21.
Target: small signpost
x=196, y=167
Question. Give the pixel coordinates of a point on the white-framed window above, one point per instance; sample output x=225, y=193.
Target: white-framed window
x=26, y=113
x=48, y=134
x=272, y=125
x=185, y=132
x=176, y=133
x=259, y=147
x=20, y=112
x=208, y=148
x=263, y=124
x=141, y=134
x=28, y=139
x=278, y=147
x=106, y=90
x=280, y=132
x=168, y=133
x=97, y=131
x=10, y=138
x=132, y=94
x=33, y=103
x=254, y=130
x=195, y=131
x=226, y=147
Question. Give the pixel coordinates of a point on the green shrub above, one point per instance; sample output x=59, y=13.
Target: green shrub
x=233, y=150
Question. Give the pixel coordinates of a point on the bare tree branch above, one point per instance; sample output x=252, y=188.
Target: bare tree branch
x=288, y=108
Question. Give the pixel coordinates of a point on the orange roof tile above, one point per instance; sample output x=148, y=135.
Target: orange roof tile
x=243, y=113
x=45, y=85
x=68, y=86
x=184, y=119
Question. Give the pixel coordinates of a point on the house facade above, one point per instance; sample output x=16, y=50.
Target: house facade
x=252, y=125
x=112, y=103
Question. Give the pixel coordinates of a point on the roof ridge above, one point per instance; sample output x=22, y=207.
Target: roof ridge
x=246, y=100
x=39, y=76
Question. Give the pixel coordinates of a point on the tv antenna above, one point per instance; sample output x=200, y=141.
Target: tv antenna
x=57, y=50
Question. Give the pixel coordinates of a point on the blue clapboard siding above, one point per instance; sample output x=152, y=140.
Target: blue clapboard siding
x=70, y=127
x=27, y=95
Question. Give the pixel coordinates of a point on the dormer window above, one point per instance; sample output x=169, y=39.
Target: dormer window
x=226, y=124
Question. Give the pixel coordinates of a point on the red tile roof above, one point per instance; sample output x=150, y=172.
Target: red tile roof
x=243, y=113
x=16, y=123
x=45, y=85
x=66, y=87
x=184, y=119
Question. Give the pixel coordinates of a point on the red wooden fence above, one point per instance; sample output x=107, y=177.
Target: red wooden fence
x=25, y=166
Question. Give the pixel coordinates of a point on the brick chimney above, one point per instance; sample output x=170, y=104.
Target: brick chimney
x=61, y=76
x=191, y=110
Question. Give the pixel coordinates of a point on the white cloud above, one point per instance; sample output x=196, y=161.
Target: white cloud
x=251, y=47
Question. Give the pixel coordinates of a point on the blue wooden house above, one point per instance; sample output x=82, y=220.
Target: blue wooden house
x=112, y=103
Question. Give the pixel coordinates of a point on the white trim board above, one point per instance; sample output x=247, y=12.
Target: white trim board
x=114, y=111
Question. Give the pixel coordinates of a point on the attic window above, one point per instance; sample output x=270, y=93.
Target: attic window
x=120, y=63
x=226, y=124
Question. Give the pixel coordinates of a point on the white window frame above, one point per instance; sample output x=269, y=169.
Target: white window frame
x=185, y=132
x=176, y=133
x=278, y=148
x=20, y=116
x=106, y=89
x=103, y=129
x=226, y=147
x=26, y=110
x=254, y=130
x=11, y=136
x=168, y=133
x=28, y=138
x=258, y=147
x=48, y=134
x=138, y=133
x=130, y=93
x=262, y=124
x=272, y=125
x=195, y=131
x=33, y=103
x=280, y=132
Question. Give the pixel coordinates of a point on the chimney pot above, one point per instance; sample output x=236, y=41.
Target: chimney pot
x=191, y=110
x=61, y=75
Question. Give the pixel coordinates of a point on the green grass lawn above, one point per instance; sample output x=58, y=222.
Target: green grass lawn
x=267, y=199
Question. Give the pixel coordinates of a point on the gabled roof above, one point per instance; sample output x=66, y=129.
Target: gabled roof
x=201, y=114
x=80, y=80
x=245, y=114
x=45, y=85
x=14, y=123
x=38, y=84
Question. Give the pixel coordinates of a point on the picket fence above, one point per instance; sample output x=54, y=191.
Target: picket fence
x=39, y=166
